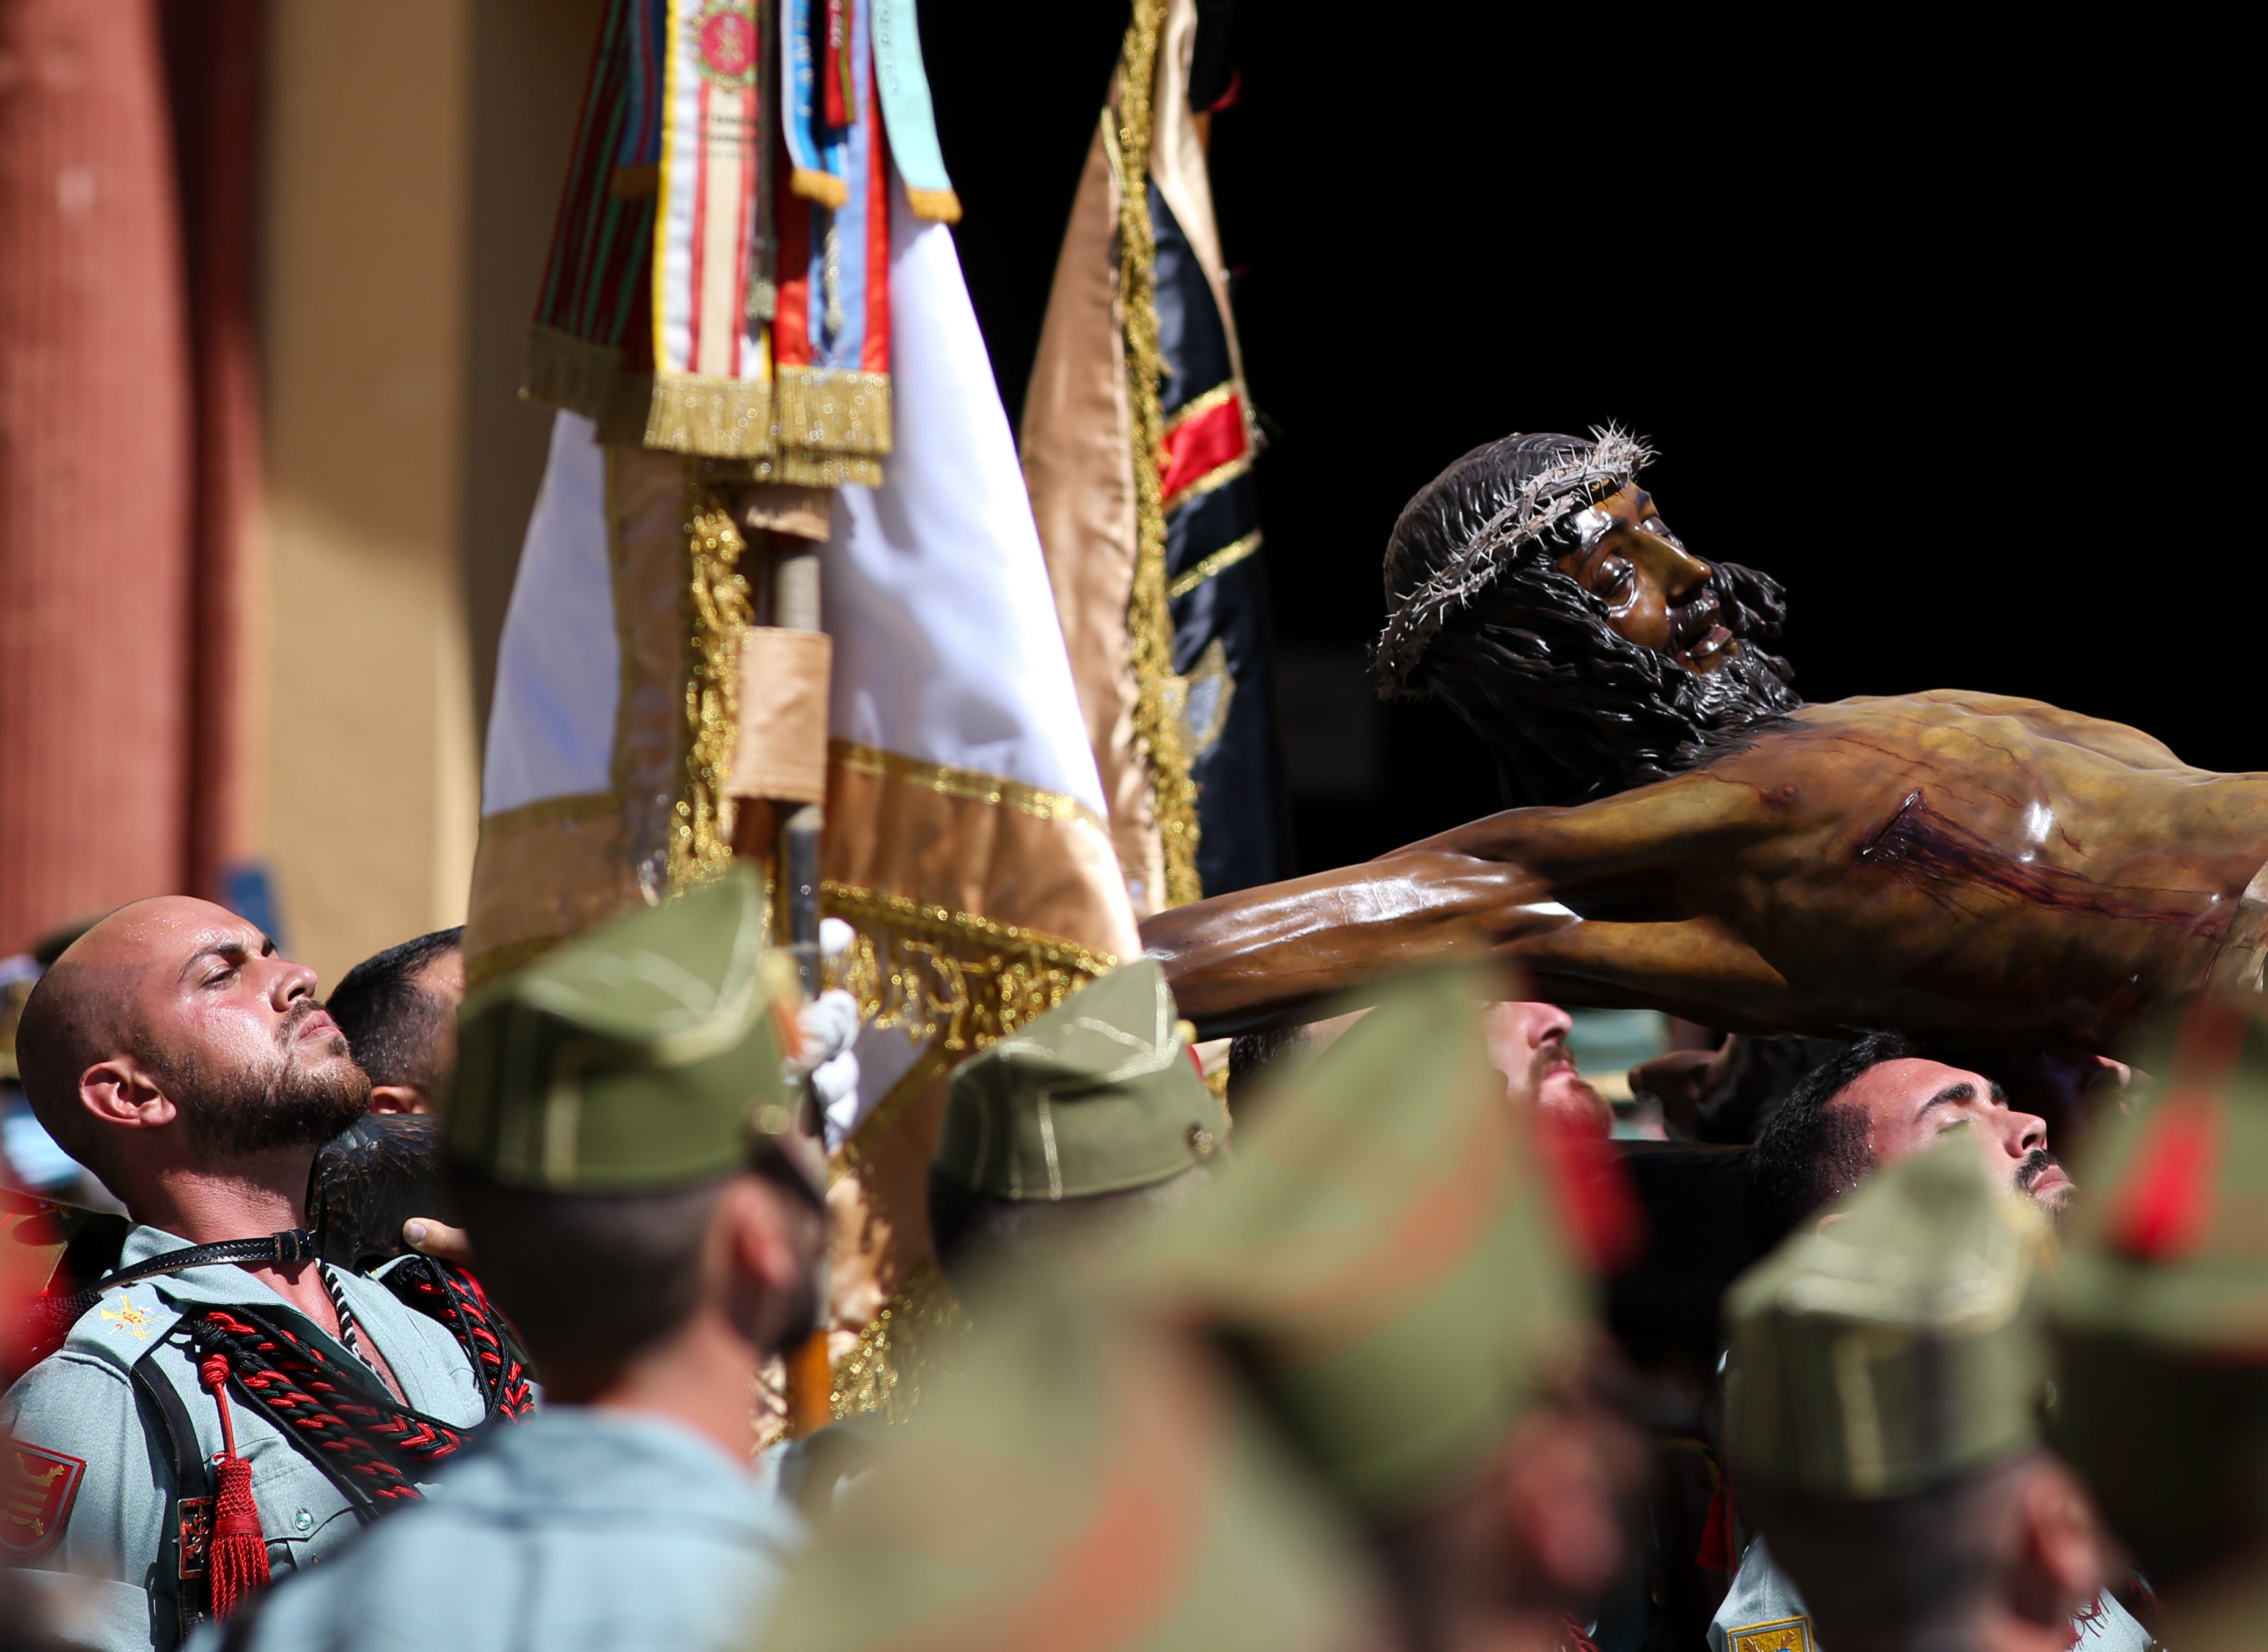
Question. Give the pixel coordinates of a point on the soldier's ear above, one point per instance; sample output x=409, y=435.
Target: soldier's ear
x=1561, y=1507
x=400, y=1098
x=2061, y=1556
x=120, y=1092
x=760, y=1233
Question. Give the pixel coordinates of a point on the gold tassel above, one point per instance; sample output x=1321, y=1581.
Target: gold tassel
x=1149, y=617
x=909, y=1346
x=824, y=188
x=934, y=206
x=718, y=610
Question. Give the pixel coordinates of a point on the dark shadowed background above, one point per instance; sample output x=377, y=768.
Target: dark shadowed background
x=1945, y=331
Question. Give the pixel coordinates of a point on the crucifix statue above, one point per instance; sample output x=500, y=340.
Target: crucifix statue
x=1976, y=870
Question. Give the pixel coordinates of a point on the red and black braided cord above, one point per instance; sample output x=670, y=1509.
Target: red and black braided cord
x=370, y=1444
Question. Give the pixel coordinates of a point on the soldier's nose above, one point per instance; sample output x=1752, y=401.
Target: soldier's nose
x=2026, y=1132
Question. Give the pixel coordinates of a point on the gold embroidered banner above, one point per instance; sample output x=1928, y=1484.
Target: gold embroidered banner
x=916, y=854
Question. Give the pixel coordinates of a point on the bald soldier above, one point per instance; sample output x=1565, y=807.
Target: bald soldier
x=229, y=1408
x=622, y=1145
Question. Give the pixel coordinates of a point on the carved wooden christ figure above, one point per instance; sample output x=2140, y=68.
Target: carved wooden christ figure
x=1975, y=870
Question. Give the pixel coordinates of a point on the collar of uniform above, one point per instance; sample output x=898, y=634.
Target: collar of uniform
x=598, y=1459
x=227, y=1284
x=217, y=1282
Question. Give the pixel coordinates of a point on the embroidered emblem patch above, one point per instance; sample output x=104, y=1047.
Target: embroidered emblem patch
x=126, y=1316
x=196, y=1534
x=1782, y=1634
x=728, y=43
x=35, y=1498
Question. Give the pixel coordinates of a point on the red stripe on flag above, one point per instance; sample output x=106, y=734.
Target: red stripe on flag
x=792, y=320
x=875, y=348
x=1201, y=446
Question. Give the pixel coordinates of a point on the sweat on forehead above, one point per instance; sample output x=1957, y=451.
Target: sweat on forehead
x=84, y=999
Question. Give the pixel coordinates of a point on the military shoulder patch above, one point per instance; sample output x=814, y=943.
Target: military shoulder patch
x=35, y=1497
x=1782, y=1634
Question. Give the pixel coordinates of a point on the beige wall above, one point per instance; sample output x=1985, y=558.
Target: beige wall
x=529, y=58
x=413, y=152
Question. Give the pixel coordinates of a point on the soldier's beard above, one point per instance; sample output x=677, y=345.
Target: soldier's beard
x=2038, y=1163
x=285, y=1104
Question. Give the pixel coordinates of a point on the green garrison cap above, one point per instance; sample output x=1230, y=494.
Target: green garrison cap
x=1089, y=1479
x=1097, y=1095
x=1387, y=1256
x=2160, y=1317
x=641, y=1056
x=1900, y=1345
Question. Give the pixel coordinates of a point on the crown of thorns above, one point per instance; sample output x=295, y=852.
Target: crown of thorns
x=1572, y=483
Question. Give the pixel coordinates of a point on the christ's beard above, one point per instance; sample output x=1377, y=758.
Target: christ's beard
x=242, y=1114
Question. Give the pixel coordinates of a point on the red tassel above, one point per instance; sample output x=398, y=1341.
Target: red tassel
x=236, y=1559
x=1599, y=1204
x=2167, y=1204
x=2168, y=1200
x=839, y=103
x=1715, y=1553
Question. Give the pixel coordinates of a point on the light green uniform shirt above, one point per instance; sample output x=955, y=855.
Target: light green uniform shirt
x=582, y=1530
x=1763, y=1613
x=117, y=1536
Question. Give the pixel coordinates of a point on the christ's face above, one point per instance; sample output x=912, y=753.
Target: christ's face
x=1658, y=594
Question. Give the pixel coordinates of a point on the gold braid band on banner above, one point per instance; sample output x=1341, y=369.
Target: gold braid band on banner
x=1220, y=562
x=909, y=1344
x=950, y=979
x=718, y=611
x=972, y=784
x=813, y=426
x=1149, y=617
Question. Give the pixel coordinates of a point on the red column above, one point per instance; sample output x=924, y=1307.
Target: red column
x=94, y=449
x=212, y=71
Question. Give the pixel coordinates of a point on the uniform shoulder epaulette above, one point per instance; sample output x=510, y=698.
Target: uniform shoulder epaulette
x=123, y=1325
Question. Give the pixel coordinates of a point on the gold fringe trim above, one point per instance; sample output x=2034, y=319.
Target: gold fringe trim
x=562, y=371
x=819, y=470
x=971, y=784
x=909, y=1345
x=947, y=977
x=934, y=206
x=824, y=188
x=697, y=412
x=825, y=411
x=718, y=611
x=808, y=427
x=1218, y=477
x=1227, y=557
x=1149, y=617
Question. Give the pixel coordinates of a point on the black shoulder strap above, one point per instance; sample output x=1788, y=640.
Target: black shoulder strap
x=293, y=1244
x=193, y=1499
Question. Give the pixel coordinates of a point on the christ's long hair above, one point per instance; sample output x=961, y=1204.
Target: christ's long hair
x=1569, y=708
